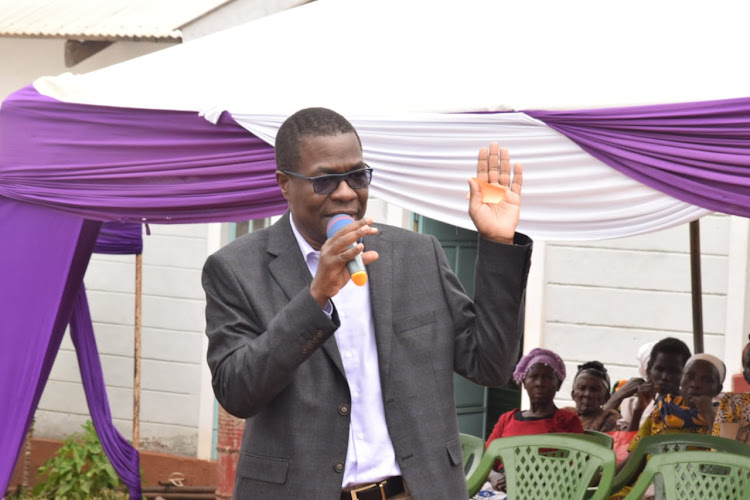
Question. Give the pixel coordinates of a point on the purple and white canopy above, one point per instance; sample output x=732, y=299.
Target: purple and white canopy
x=426, y=86
x=628, y=118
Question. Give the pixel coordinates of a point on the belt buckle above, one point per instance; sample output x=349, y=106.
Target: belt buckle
x=380, y=485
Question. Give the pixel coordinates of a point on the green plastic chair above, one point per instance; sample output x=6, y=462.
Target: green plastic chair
x=686, y=475
x=601, y=437
x=668, y=443
x=559, y=466
x=472, y=448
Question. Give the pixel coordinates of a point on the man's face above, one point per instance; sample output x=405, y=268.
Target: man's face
x=322, y=155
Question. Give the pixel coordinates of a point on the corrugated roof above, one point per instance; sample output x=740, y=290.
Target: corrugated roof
x=157, y=20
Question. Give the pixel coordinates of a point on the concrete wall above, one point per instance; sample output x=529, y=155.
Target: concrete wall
x=22, y=60
x=172, y=309
x=605, y=299
x=172, y=344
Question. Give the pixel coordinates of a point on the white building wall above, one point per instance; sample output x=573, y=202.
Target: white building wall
x=605, y=299
x=172, y=300
x=172, y=344
x=23, y=60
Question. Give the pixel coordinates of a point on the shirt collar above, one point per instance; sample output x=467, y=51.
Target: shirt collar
x=304, y=246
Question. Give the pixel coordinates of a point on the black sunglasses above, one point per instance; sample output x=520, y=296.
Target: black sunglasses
x=327, y=184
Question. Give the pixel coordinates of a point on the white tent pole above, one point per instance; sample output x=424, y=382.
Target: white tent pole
x=137, y=352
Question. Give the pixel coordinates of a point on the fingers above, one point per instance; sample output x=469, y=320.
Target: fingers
x=493, y=166
x=483, y=165
x=495, y=162
x=517, y=178
x=350, y=233
x=475, y=196
x=502, y=167
x=369, y=257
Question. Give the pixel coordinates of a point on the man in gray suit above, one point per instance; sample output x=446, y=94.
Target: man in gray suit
x=348, y=390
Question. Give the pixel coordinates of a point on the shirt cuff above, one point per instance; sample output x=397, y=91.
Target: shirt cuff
x=328, y=309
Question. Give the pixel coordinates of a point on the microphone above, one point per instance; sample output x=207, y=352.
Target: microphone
x=355, y=266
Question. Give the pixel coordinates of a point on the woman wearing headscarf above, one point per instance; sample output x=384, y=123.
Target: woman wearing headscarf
x=590, y=392
x=541, y=373
x=693, y=409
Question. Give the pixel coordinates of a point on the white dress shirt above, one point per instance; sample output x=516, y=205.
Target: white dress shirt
x=370, y=456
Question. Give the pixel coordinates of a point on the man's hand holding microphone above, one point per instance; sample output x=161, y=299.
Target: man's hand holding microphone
x=342, y=257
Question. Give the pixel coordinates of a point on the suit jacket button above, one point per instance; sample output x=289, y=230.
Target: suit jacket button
x=339, y=467
x=320, y=334
x=305, y=350
x=343, y=410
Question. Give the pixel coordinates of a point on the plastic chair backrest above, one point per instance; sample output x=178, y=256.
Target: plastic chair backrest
x=604, y=439
x=559, y=466
x=472, y=448
x=697, y=474
x=667, y=443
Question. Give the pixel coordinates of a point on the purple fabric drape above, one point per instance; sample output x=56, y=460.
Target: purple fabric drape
x=120, y=238
x=121, y=454
x=38, y=289
x=65, y=165
x=133, y=165
x=697, y=152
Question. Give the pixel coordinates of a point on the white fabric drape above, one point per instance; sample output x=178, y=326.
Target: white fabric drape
x=422, y=162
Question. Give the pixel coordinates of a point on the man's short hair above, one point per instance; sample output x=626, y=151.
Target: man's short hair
x=309, y=122
x=669, y=345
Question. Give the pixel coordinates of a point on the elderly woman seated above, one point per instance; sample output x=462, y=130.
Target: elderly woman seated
x=541, y=373
x=590, y=391
x=693, y=410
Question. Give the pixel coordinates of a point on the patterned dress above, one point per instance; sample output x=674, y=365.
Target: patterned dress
x=671, y=414
x=734, y=408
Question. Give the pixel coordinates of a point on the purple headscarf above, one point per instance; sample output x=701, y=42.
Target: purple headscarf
x=539, y=355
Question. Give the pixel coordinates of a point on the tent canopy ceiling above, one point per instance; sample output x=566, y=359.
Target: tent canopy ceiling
x=363, y=57
x=389, y=55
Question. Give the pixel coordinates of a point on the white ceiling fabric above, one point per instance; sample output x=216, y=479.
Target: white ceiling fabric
x=422, y=162
x=393, y=67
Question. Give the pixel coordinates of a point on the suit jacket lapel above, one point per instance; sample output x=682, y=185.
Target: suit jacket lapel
x=290, y=271
x=380, y=277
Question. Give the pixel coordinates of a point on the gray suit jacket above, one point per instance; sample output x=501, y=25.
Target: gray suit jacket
x=275, y=362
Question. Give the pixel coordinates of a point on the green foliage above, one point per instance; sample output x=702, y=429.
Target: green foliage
x=79, y=470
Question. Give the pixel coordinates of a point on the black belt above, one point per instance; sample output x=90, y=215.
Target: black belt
x=376, y=491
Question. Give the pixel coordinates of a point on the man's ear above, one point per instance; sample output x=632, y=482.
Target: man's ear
x=283, y=181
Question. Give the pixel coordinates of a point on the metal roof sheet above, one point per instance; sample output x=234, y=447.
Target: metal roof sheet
x=157, y=20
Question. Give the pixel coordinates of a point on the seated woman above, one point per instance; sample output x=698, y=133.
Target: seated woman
x=664, y=370
x=590, y=392
x=733, y=416
x=692, y=410
x=541, y=372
